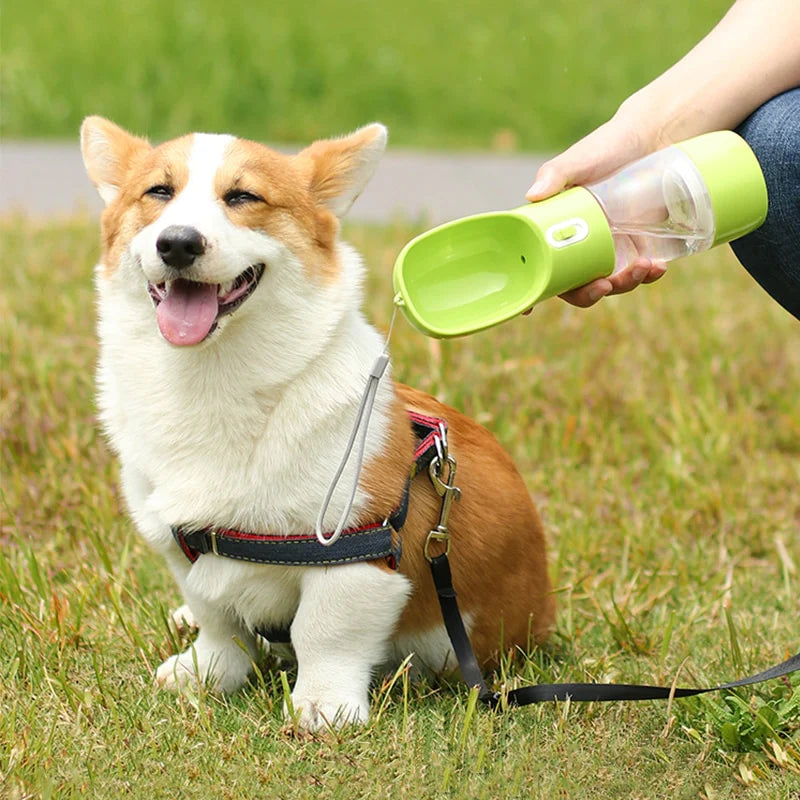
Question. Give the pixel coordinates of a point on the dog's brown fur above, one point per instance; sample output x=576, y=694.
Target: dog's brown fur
x=497, y=535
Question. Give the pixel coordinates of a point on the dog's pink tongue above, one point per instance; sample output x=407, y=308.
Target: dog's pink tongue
x=188, y=311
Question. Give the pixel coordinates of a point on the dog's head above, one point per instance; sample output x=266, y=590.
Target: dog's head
x=207, y=223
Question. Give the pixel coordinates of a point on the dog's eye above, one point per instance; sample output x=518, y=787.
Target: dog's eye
x=161, y=191
x=238, y=197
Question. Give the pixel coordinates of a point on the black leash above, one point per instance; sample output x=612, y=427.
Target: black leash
x=546, y=692
x=442, y=470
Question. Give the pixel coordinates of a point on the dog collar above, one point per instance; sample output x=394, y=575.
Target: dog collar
x=365, y=543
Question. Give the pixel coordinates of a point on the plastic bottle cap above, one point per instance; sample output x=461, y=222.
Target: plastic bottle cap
x=734, y=180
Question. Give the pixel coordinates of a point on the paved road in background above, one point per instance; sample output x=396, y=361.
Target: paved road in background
x=46, y=180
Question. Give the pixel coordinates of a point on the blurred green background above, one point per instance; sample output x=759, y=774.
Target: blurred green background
x=510, y=75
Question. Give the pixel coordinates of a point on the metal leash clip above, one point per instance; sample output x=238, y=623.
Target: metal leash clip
x=442, y=472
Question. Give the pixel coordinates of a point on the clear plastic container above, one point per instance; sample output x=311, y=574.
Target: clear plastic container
x=658, y=208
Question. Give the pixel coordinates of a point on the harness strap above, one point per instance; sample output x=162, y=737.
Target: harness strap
x=576, y=692
x=365, y=543
x=426, y=429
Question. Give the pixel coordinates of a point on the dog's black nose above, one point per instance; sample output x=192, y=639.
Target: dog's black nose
x=179, y=245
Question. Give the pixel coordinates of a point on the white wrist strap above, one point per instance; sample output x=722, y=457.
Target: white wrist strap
x=362, y=419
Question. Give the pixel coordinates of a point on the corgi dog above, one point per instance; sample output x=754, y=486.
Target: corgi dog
x=233, y=355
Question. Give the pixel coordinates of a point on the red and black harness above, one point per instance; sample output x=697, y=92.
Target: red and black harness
x=365, y=543
x=383, y=540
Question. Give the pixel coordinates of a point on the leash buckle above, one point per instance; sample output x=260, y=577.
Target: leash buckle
x=437, y=535
x=442, y=472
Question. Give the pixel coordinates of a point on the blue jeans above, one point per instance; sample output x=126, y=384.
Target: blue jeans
x=771, y=254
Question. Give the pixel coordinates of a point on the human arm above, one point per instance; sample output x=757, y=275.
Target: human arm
x=751, y=55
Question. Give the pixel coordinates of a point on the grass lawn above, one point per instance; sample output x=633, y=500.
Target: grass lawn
x=531, y=74
x=660, y=435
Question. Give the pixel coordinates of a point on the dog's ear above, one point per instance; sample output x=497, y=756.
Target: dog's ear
x=341, y=168
x=107, y=152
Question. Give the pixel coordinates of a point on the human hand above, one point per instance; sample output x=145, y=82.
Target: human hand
x=624, y=138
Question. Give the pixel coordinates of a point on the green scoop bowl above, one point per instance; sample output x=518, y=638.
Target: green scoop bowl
x=479, y=271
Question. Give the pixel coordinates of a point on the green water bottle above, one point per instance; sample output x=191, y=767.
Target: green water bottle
x=476, y=272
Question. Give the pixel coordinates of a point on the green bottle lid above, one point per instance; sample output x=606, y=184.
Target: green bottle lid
x=734, y=181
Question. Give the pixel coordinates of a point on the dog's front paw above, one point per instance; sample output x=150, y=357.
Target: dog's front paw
x=183, y=619
x=222, y=670
x=176, y=672
x=320, y=713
